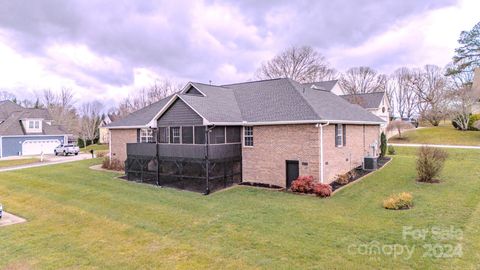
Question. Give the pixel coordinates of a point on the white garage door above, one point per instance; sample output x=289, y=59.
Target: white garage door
x=35, y=147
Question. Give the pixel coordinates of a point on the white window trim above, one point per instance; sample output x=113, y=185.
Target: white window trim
x=172, y=141
x=244, y=136
x=146, y=135
x=339, y=133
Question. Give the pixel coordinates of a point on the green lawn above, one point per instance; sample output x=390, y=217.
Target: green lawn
x=95, y=147
x=443, y=134
x=79, y=218
x=17, y=162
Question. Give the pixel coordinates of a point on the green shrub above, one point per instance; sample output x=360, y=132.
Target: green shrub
x=399, y=201
x=430, y=162
x=471, y=122
x=391, y=150
x=383, y=144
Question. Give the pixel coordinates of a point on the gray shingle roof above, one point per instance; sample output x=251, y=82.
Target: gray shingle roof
x=367, y=100
x=12, y=115
x=323, y=85
x=143, y=116
x=277, y=100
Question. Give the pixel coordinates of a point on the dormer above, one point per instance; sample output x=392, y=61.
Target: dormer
x=33, y=125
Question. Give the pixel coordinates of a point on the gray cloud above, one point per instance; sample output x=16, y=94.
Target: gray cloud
x=166, y=36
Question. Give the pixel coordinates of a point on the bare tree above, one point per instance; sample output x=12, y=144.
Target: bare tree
x=5, y=95
x=399, y=125
x=359, y=80
x=302, y=64
x=431, y=89
x=146, y=96
x=461, y=98
x=61, y=108
x=403, y=95
x=90, y=120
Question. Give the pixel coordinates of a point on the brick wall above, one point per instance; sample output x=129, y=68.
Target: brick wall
x=339, y=160
x=273, y=145
x=119, y=140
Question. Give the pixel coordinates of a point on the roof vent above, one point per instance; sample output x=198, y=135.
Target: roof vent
x=316, y=87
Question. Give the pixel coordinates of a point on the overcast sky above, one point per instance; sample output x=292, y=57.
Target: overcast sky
x=106, y=49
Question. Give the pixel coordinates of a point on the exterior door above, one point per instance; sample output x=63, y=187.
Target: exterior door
x=292, y=171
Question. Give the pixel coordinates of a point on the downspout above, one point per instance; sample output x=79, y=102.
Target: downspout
x=320, y=151
x=207, y=162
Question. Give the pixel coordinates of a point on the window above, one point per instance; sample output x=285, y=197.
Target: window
x=30, y=124
x=146, y=135
x=383, y=109
x=248, y=136
x=37, y=124
x=187, y=135
x=174, y=134
x=217, y=136
x=163, y=135
x=200, y=135
x=340, y=135
x=233, y=135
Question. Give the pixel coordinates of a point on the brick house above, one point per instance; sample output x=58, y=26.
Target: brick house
x=267, y=132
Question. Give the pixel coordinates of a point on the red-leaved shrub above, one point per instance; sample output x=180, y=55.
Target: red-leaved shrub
x=322, y=190
x=303, y=184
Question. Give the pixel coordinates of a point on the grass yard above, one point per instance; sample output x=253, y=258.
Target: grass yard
x=78, y=218
x=17, y=162
x=95, y=147
x=443, y=134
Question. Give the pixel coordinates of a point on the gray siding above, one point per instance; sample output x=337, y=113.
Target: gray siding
x=180, y=114
x=12, y=146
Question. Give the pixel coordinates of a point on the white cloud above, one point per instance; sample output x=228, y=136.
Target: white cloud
x=428, y=38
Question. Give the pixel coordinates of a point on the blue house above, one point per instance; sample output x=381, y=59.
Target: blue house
x=28, y=132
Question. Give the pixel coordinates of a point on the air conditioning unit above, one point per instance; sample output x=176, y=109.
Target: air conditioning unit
x=370, y=163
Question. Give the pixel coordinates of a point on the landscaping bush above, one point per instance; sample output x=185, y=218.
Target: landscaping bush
x=391, y=150
x=472, y=121
x=303, y=184
x=383, y=144
x=114, y=164
x=343, y=179
x=399, y=201
x=430, y=162
x=101, y=154
x=322, y=190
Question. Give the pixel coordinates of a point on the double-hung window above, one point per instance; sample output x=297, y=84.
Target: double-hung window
x=248, y=136
x=340, y=135
x=146, y=135
x=174, y=134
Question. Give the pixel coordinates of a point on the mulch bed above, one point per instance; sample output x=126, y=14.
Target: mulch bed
x=359, y=173
x=262, y=185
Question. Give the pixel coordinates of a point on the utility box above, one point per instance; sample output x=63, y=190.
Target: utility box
x=370, y=163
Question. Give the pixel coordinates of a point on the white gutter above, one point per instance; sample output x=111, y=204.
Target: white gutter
x=268, y=123
x=320, y=150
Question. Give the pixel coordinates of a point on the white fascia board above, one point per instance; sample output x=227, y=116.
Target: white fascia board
x=188, y=85
x=126, y=127
x=268, y=123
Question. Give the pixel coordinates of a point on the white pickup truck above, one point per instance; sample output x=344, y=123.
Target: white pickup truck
x=66, y=150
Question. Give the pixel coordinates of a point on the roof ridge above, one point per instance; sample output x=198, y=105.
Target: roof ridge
x=306, y=101
x=257, y=81
x=370, y=93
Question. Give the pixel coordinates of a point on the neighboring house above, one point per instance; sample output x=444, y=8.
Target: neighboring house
x=476, y=91
x=103, y=132
x=376, y=102
x=27, y=131
x=276, y=130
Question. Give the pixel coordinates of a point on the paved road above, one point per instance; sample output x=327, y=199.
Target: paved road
x=49, y=160
x=436, y=145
